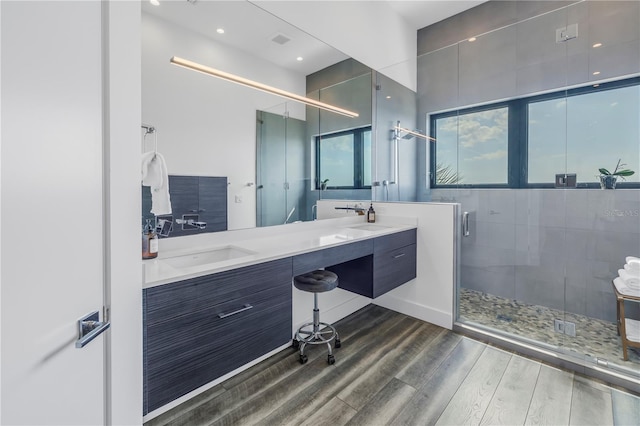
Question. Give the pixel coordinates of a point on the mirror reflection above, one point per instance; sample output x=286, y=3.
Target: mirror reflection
x=206, y=127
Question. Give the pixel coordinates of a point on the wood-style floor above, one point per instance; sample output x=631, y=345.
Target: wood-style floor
x=394, y=369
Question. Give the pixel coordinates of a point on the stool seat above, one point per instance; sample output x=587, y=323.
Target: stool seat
x=316, y=332
x=316, y=282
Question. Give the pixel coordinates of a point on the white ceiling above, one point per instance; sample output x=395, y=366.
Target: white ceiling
x=422, y=13
x=251, y=29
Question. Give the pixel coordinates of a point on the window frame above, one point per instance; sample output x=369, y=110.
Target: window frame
x=518, y=143
x=358, y=157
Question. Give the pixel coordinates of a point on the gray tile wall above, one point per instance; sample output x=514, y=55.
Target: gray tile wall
x=525, y=242
x=516, y=53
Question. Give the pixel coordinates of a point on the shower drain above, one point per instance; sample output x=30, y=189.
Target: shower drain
x=564, y=327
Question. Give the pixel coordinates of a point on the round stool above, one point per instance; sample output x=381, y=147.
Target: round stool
x=316, y=332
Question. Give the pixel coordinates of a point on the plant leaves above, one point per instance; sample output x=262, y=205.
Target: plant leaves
x=625, y=172
x=604, y=171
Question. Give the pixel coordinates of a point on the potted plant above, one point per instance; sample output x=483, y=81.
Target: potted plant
x=323, y=184
x=608, y=179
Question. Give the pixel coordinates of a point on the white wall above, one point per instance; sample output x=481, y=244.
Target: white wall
x=124, y=232
x=430, y=296
x=207, y=126
x=368, y=31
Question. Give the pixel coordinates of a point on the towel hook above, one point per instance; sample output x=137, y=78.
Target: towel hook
x=150, y=129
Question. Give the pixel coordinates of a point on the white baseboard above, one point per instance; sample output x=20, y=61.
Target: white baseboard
x=416, y=310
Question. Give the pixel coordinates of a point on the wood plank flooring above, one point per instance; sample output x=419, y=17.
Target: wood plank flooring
x=396, y=370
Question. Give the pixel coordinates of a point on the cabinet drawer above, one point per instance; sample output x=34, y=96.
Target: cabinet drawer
x=393, y=268
x=393, y=241
x=183, y=297
x=331, y=256
x=186, y=352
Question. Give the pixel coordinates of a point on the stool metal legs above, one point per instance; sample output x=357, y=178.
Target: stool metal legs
x=316, y=333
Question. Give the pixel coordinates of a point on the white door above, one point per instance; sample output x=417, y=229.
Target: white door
x=52, y=265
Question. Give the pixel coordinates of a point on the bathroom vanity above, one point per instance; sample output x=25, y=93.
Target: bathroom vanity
x=211, y=311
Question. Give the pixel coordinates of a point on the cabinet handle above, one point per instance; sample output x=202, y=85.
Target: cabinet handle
x=246, y=307
x=398, y=255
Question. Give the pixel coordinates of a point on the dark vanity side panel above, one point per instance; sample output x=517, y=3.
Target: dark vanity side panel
x=168, y=301
x=212, y=206
x=355, y=275
x=308, y=262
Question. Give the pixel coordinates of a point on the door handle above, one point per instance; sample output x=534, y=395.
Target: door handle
x=465, y=224
x=89, y=327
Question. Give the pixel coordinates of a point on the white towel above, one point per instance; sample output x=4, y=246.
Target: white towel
x=624, y=289
x=633, y=264
x=632, y=267
x=631, y=280
x=154, y=175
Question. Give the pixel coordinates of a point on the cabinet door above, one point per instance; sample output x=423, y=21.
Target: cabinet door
x=392, y=268
x=394, y=261
x=200, y=329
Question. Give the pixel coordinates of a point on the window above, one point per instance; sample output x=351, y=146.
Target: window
x=344, y=158
x=599, y=126
x=472, y=147
x=526, y=142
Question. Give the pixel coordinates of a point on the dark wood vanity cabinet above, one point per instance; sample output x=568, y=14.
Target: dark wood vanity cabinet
x=199, y=329
x=392, y=264
x=394, y=261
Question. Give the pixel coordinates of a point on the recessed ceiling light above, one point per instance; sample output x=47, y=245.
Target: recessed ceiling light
x=299, y=58
x=220, y=30
x=597, y=45
x=388, y=97
x=472, y=39
x=155, y=2
x=596, y=72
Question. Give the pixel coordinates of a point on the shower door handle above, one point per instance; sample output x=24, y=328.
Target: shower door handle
x=465, y=224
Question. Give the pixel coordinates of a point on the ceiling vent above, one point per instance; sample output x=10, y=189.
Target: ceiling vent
x=280, y=38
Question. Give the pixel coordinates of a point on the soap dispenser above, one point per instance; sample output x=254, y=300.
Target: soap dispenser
x=149, y=242
x=371, y=214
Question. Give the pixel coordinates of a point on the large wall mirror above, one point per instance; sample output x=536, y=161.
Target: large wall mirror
x=208, y=127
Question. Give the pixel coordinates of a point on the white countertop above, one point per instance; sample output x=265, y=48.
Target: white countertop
x=262, y=244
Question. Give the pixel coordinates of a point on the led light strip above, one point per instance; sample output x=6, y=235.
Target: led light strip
x=259, y=86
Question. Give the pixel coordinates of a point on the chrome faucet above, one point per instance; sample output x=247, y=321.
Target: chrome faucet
x=191, y=220
x=359, y=210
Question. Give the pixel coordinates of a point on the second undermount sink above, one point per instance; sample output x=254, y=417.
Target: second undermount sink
x=370, y=227
x=207, y=257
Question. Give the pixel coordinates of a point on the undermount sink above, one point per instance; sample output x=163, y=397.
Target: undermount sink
x=370, y=227
x=207, y=257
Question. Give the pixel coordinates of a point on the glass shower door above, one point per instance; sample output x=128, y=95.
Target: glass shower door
x=271, y=169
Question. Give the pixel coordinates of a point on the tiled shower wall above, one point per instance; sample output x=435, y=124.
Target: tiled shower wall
x=524, y=243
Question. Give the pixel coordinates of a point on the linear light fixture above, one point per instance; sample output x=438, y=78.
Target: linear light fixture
x=411, y=132
x=259, y=86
